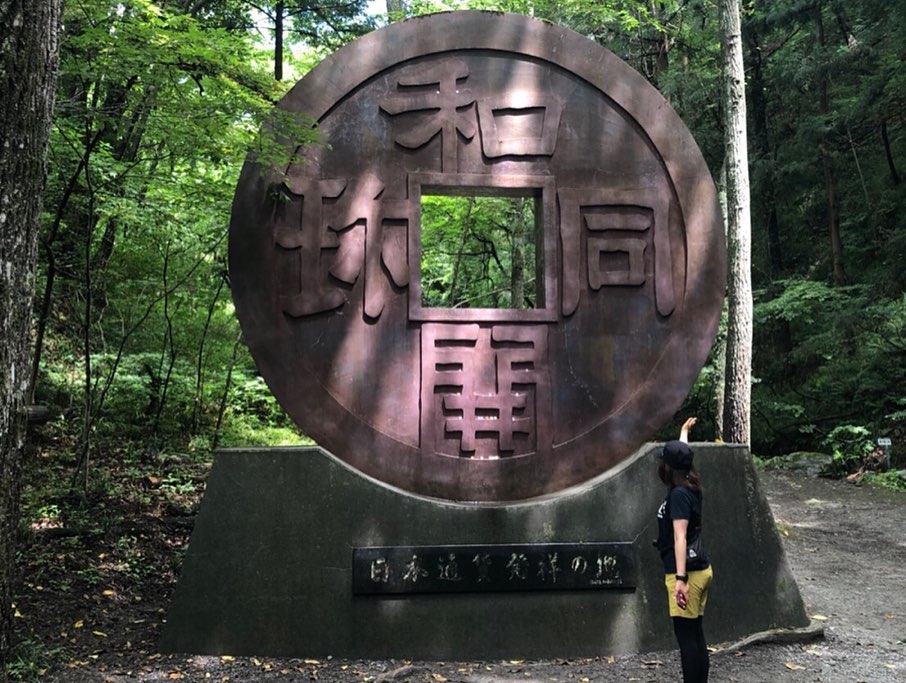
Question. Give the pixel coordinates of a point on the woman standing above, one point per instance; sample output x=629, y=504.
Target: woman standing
x=688, y=571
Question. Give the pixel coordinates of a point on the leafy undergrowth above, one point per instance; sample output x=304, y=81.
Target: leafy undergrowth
x=98, y=560
x=98, y=556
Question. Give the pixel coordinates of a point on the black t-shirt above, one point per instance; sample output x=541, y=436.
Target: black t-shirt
x=681, y=503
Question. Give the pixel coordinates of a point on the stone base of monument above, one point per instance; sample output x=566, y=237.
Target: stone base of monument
x=295, y=554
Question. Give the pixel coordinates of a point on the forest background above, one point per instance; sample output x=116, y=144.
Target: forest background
x=139, y=358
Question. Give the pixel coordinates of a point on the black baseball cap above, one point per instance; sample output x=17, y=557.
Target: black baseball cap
x=677, y=454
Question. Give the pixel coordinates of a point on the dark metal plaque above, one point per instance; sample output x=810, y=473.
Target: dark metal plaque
x=477, y=404
x=492, y=568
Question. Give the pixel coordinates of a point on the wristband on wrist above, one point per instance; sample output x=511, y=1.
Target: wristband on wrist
x=682, y=577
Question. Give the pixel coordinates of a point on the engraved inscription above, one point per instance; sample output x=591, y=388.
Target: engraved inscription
x=546, y=566
x=413, y=570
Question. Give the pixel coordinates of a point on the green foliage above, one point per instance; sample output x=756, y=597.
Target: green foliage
x=478, y=252
x=892, y=479
x=29, y=660
x=328, y=26
x=158, y=106
x=826, y=357
x=849, y=444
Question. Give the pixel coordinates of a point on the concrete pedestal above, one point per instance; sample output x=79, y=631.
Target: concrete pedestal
x=269, y=566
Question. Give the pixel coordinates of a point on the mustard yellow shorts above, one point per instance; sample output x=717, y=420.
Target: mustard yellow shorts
x=699, y=582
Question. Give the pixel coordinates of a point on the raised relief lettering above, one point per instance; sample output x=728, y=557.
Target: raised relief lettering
x=549, y=316
x=300, y=231
x=436, y=94
x=334, y=239
x=519, y=124
x=483, y=385
x=617, y=227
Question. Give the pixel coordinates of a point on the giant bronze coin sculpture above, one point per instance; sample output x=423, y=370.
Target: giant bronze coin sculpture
x=480, y=404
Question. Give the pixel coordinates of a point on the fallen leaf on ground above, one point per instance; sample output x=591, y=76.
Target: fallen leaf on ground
x=439, y=678
x=820, y=617
x=794, y=667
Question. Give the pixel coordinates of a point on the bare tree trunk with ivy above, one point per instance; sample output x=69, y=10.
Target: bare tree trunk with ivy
x=29, y=50
x=738, y=370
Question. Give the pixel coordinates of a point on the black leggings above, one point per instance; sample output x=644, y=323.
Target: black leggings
x=693, y=650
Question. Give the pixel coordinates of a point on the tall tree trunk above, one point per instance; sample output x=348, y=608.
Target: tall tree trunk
x=720, y=350
x=198, y=402
x=279, y=12
x=48, y=242
x=457, y=263
x=87, y=403
x=396, y=9
x=827, y=165
x=221, y=411
x=29, y=48
x=517, y=258
x=894, y=174
x=765, y=155
x=738, y=383
x=168, y=352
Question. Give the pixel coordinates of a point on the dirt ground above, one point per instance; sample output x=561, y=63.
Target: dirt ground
x=846, y=545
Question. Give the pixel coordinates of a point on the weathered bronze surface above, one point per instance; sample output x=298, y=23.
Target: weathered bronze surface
x=480, y=404
x=493, y=568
